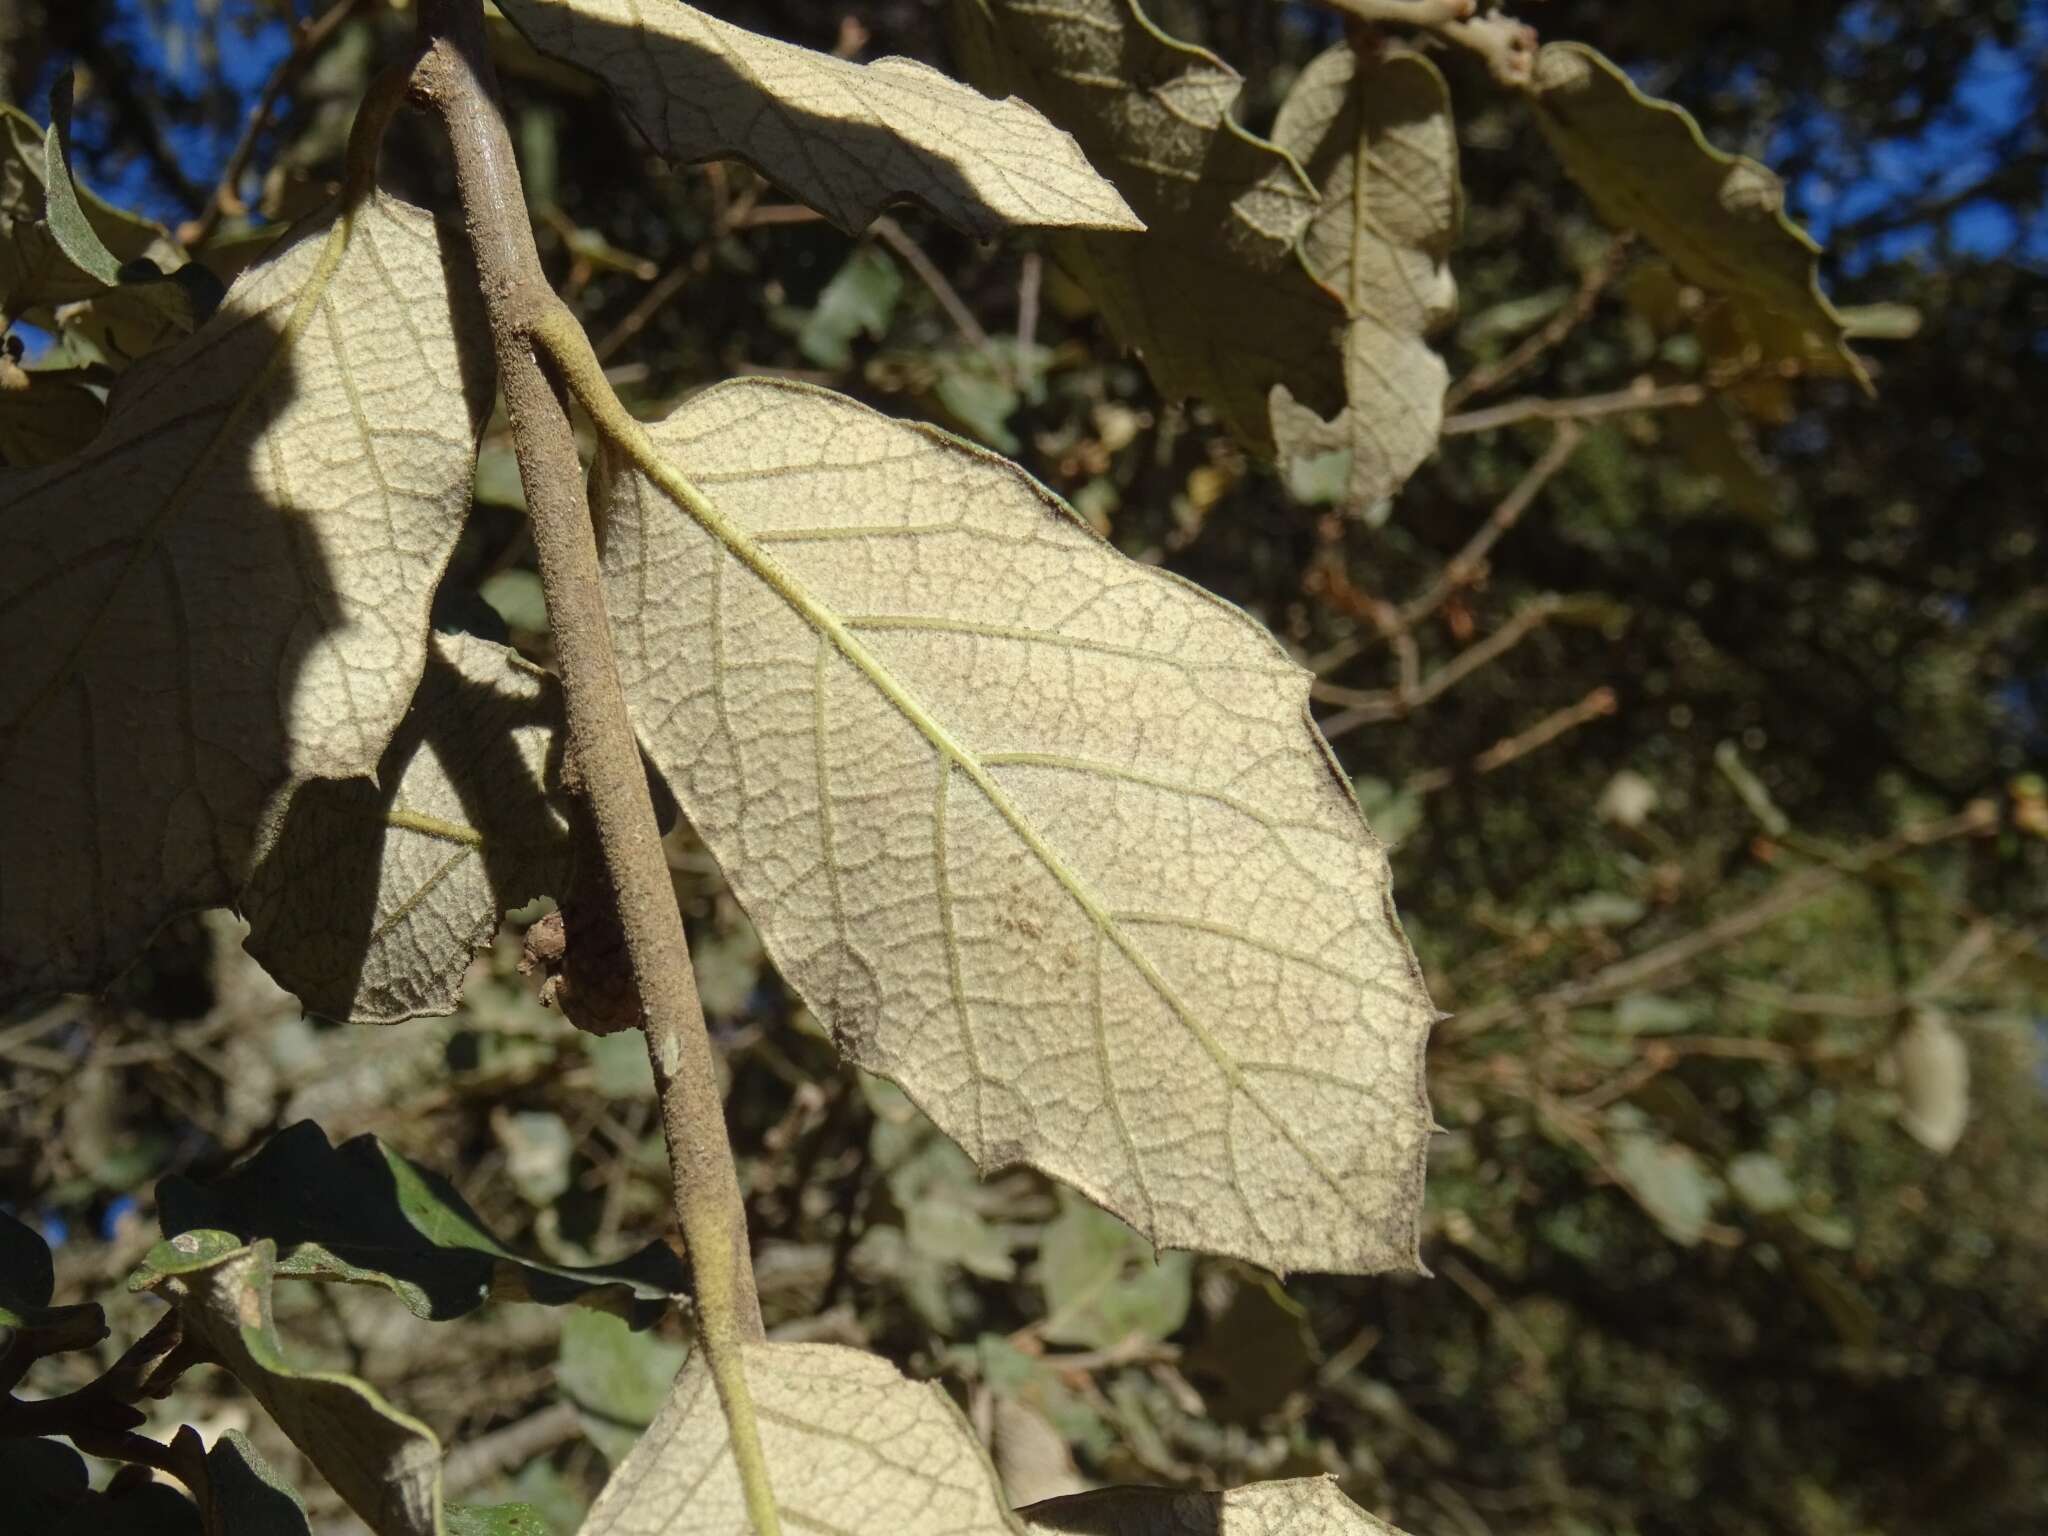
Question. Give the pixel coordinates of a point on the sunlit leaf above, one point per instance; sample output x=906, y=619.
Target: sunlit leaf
x=360, y=1213
x=1719, y=218
x=851, y=1446
x=1302, y=1506
x=1216, y=294
x=1375, y=134
x=1669, y=1181
x=846, y=138
x=377, y=894
x=272, y=503
x=1042, y=834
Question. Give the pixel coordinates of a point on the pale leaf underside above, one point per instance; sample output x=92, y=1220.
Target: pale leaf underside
x=378, y=893
x=1376, y=135
x=1301, y=1506
x=1045, y=836
x=1646, y=166
x=845, y=138
x=226, y=592
x=1216, y=294
x=851, y=1447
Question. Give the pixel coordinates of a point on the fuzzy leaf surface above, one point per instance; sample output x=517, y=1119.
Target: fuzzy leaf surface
x=1044, y=835
x=1215, y=294
x=1376, y=136
x=377, y=894
x=846, y=138
x=1720, y=218
x=851, y=1447
x=227, y=592
x=1300, y=1506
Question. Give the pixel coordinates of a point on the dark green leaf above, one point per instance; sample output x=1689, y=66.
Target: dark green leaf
x=361, y=1213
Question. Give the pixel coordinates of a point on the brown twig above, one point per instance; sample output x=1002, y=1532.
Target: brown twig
x=1656, y=967
x=1488, y=377
x=893, y=235
x=456, y=81
x=1369, y=707
x=1463, y=567
x=309, y=37
x=1642, y=395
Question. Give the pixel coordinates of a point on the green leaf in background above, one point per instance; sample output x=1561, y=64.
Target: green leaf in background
x=1760, y=1182
x=376, y=895
x=858, y=301
x=1645, y=166
x=1216, y=293
x=45, y=415
x=1668, y=1180
x=362, y=1214
x=618, y=1379
x=1104, y=1287
x=494, y=1520
x=1374, y=132
x=845, y=138
x=385, y=1464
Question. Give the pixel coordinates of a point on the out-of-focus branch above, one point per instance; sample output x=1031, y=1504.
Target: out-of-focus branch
x=1368, y=707
x=308, y=38
x=1463, y=567
x=1642, y=395
x=1488, y=377
x=1661, y=965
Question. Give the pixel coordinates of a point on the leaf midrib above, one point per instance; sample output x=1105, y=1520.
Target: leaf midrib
x=646, y=458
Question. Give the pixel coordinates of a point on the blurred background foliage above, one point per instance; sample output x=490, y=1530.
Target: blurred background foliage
x=1728, y=853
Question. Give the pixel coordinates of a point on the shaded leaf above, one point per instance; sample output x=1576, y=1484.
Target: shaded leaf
x=385, y=1464
x=1761, y=1183
x=1104, y=1286
x=377, y=894
x=271, y=505
x=156, y=305
x=1254, y=1354
x=851, y=1446
x=246, y=1496
x=1720, y=218
x=35, y=272
x=43, y=417
x=846, y=138
x=28, y=1280
x=360, y=1213
x=1044, y=835
x=1934, y=1081
x=1216, y=294
x=1375, y=134
x=618, y=1379
x=1302, y=1506
x=44, y=1479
